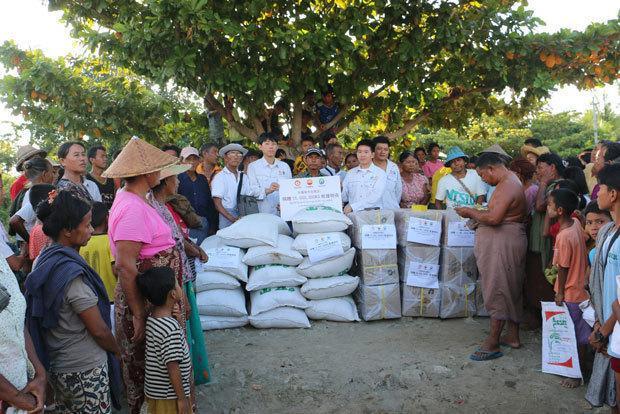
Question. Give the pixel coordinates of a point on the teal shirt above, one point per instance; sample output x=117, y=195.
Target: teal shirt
x=612, y=269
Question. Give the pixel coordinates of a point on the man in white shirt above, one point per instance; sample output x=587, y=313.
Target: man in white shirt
x=364, y=186
x=225, y=184
x=394, y=184
x=335, y=155
x=462, y=187
x=264, y=174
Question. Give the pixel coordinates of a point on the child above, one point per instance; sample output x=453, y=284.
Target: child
x=168, y=364
x=570, y=259
x=595, y=219
x=97, y=252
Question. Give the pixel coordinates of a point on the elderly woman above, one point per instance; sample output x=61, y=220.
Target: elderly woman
x=188, y=250
x=525, y=170
x=72, y=156
x=68, y=313
x=415, y=183
x=139, y=239
x=22, y=376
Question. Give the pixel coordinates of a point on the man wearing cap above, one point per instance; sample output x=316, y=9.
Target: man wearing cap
x=225, y=184
x=195, y=187
x=208, y=167
x=394, y=184
x=24, y=154
x=313, y=159
x=462, y=187
x=264, y=174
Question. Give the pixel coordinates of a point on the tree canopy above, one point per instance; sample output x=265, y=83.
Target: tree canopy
x=410, y=62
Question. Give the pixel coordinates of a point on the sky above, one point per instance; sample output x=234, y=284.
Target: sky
x=31, y=25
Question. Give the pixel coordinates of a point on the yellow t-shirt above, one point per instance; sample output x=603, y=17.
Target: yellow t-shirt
x=439, y=174
x=98, y=256
x=299, y=166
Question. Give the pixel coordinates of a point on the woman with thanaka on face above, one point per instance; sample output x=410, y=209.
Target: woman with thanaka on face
x=72, y=157
x=415, y=184
x=500, y=249
x=364, y=186
x=432, y=163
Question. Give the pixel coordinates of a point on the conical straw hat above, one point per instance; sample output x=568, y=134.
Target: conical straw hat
x=138, y=157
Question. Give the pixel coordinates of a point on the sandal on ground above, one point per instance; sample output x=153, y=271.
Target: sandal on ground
x=482, y=355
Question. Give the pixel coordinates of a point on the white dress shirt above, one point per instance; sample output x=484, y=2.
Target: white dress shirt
x=364, y=188
x=261, y=175
x=331, y=171
x=393, y=187
x=224, y=186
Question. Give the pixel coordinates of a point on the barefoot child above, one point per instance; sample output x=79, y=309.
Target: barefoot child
x=168, y=363
x=570, y=259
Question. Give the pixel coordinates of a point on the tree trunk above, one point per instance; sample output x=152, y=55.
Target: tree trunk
x=295, y=132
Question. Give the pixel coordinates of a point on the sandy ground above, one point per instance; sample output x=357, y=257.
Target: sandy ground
x=406, y=365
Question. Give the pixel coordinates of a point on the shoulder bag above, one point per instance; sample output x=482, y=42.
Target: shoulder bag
x=246, y=204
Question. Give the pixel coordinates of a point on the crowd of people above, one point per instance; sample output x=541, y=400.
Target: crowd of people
x=100, y=282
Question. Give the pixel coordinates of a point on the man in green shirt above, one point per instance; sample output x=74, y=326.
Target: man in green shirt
x=314, y=158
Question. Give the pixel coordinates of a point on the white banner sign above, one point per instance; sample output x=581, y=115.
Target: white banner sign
x=224, y=256
x=460, y=235
x=324, y=247
x=298, y=193
x=379, y=236
x=559, y=345
x=424, y=275
x=424, y=231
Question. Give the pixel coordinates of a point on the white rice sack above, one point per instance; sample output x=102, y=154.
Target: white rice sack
x=254, y=230
x=284, y=317
x=320, y=219
x=329, y=287
x=283, y=253
x=221, y=302
x=333, y=309
x=223, y=258
x=334, y=266
x=302, y=241
x=215, y=280
x=208, y=322
x=272, y=276
x=270, y=298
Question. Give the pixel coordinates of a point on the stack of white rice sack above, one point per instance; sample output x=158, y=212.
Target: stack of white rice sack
x=328, y=256
x=374, y=235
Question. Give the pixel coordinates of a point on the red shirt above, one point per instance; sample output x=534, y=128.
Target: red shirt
x=17, y=186
x=38, y=240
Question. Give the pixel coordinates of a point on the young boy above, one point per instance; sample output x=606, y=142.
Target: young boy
x=97, y=252
x=595, y=219
x=299, y=167
x=570, y=259
x=167, y=361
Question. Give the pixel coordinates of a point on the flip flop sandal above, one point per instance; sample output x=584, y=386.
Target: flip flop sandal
x=481, y=355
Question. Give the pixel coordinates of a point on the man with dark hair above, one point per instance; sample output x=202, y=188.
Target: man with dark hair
x=299, y=166
x=327, y=137
x=335, y=154
x=172, y=150
x=394, y=184
x=209, y=165
x=98, y=158
x=500, y=249
x=263, y=175
x=314, y=159
x=364, y=186
x=432, y=164
x=327, y=109
x=533, y=142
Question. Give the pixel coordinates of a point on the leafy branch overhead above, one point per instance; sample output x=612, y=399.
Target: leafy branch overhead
x=68, y=98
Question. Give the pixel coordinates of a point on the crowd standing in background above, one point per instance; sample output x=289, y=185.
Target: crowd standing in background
x=120, y=242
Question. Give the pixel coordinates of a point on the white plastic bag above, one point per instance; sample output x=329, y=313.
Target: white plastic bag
x=284, y=317
x=320, y=219
x=333, y=266
x=330, y=287
x=301, y=241
x=333, y=309
x=272, y=276
x=215, y=280
x=223, y=258
x=221, y=302
x=254, y=230
x=222, y=322
x=264, y=300
x=283, y=253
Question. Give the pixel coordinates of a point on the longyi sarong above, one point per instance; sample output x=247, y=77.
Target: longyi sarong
x=500, y=256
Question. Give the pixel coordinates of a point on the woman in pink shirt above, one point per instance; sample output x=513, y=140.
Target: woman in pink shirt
x=432, y=164
x=139, y=239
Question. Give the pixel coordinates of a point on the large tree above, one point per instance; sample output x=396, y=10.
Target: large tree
x=68, y=98
x=410, y=61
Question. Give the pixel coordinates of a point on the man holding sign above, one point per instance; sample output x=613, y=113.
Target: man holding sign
x=500, y=249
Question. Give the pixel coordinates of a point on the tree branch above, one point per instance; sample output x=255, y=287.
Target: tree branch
x=213, y=104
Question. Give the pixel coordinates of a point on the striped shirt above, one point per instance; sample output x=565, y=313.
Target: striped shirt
x=165, y=342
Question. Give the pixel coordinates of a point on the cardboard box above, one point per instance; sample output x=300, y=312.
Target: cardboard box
x=377, y=267
x=416, y=253
x=458, y=265
x=457, y=301
x=402, y=217
x=378, y=302
x=367, y=217
x=420, y=301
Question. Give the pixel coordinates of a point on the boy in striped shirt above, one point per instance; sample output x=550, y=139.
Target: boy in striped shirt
x=168, y=363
